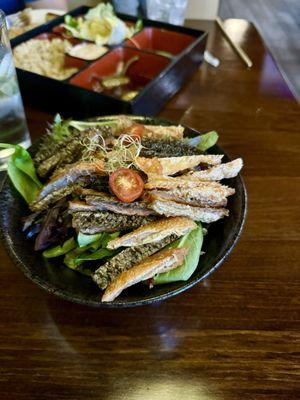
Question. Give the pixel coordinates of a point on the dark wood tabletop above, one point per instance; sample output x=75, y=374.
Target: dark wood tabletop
x=236, y=335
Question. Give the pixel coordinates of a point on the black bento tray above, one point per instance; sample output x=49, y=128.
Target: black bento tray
x=70, y=100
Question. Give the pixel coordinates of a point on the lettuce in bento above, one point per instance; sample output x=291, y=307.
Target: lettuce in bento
x=100, y=25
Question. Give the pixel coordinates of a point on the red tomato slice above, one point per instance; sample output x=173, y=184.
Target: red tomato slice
x=126, y=184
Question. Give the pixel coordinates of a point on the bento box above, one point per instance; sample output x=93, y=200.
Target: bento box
x=165, y=56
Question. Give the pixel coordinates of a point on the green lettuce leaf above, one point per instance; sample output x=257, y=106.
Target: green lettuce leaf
x=60, y=128
x=71, y=257
x=71, y=21
x=208, y=140
x=193, y=241
x=107, y=237
x=102, y=238
x=84, y=240
x=57, y=251
x=90, y=247
x=203, y=142
x=96, y=255
x=21, y=170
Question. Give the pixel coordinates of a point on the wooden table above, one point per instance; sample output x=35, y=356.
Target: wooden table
x=236, y=336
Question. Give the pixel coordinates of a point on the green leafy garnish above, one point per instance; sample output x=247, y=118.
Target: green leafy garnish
x=101, y=238
x=60, y=129
x=138, y=25
x=71, y=21
x=21, y=170
x=208, y=140
x=79, y=255
x=193, y=241
x=100, y=25
x=203, y=142
x=57, y=251
x=96, y=255
x=85, y=240
x=91, y=247
x=108, y=237
x=70, y=257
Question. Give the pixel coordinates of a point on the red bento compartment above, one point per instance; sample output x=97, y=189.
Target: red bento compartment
x=161, y=40
x=62, y=32
x=47, y=36
x=51, y=36
x=141, y=72
x=72, y=62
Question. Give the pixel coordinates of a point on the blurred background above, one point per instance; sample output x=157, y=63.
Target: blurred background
x=277, y=20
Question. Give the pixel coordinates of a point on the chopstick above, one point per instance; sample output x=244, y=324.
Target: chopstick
x=235, y=46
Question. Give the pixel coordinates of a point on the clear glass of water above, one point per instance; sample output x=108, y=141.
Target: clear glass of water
x=13, y=126
x=126, y=6
x=171, y=11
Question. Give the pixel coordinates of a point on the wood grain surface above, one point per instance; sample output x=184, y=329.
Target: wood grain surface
x=236, y=336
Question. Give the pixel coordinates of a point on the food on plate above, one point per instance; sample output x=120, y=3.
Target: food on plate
x=111, y=198
x=125, y=260
x=153, y=147
x=169, y=182
x=172, y=165
x=87, y=51
x=154, y=232
x=44, y=57
x=119, y=78
x=101, y=201
x=118, y=84
x=92, y=222
x=219, y=172
x=126, y=184
x=210, y=194
x=160, y=262
x=100, y=25
x=63, y=180
x=192, y=241
x=201, y=214
x=158, y=133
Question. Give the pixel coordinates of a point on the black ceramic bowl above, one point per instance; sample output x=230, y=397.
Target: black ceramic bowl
x=55, y=278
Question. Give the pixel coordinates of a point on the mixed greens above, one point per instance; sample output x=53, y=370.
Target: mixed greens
x=193, y=241
x=22, y=172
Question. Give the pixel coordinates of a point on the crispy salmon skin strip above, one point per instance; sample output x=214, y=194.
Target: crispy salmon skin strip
x=162, y=261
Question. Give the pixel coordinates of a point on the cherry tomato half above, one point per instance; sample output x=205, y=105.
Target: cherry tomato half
x=126, y=184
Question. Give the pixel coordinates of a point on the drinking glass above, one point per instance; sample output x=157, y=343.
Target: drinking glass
x=13, y=126
x=126, y=6
x=171, y=11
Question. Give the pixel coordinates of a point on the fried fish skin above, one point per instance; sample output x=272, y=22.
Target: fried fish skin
x=53, y=154
x=126, y=259
x=163, y=261
x=167, y=148
x=91, y=223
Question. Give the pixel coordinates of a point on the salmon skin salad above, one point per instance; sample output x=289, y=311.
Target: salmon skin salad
x=120, y=200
